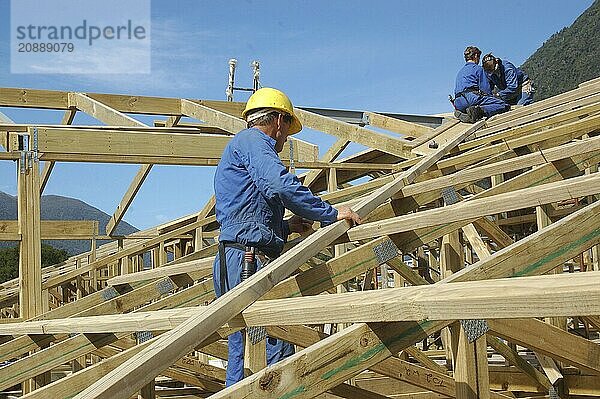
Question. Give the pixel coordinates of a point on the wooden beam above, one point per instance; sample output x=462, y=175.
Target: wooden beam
x=438, y=137
x=332, y=153
x=128, y=197
x=30, y=266
x=430, y=379
x=332, y=273
x=368, y=204
x=475, y=240
x=435, y=132
x=100, y=111
x=303, y=151
x=212, y=116
x=354, y=133
x=110, y=116
x=408, y=129
x=180, y=341
x=553, y=105
x=137, y=248
x=515, y=359
x=32, y=98
x=332, y=361
x=539, y=296
x=121, y=146
x=541, y=251
x=547, y=193
x=554, y=295
x=550, y=341
x=519, y=131
x=543, y=139
x=56, y=229
x=200, y=268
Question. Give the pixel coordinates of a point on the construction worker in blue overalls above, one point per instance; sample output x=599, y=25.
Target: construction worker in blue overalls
x=252, y=190
x=473, y=97
x=509, y=83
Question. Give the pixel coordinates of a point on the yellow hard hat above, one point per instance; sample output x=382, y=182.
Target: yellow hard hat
x=272, y=98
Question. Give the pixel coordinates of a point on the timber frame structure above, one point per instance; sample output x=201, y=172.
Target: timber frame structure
x=504, y=210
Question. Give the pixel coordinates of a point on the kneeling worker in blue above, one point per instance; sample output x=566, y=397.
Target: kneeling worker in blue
x=252, y=190
x=473, y=98
x=511, y=84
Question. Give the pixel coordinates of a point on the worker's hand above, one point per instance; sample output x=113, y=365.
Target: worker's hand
x=345, y=212
x=299, y=225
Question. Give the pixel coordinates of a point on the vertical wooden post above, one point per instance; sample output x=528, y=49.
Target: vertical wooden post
x=30, y=249
x=162, y=254
x=550, y=367
x=255, y=355
x=198, y=239
x=30, y=259
x=595, y=250
x=464, y=364
x=450, y=262
x=148, y=391
x=470, y=358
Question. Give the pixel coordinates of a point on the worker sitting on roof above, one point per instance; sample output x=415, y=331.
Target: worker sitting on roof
x=472, y=94
x=511, y=83
x=252, y=190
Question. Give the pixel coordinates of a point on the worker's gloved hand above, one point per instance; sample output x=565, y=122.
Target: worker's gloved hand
x=345, y=212
x=299, y=225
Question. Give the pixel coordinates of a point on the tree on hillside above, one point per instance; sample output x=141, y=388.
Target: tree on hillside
x=568, y=57
x=9, y=260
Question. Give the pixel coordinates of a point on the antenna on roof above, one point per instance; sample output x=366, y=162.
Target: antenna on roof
x=231, y=85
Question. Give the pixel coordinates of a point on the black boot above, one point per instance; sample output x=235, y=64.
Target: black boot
x=461, y=116
x=475, y=113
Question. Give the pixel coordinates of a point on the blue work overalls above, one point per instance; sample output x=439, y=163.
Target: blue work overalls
x=252, y=190
x=510, y=82
x=473, y=89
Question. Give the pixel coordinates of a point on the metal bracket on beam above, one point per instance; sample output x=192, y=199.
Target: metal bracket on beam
x=24, y=155
x=109, y=293
x=552, y=393
x=23, y=162
x=165, y=286
x=385, y=251
x=474, y=328
x=256, y=334
x=450, y=196
x=35, y=145
x=143, y=336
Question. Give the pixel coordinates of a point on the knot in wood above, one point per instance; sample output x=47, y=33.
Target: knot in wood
x=270, y=381
x=364, y=341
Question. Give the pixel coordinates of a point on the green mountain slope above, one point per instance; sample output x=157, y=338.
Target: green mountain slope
x=55, y=207
x=568, y=57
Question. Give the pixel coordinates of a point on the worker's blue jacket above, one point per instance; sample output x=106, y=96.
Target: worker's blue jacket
x=508, y=79
x=473, y=89
x=252, y=190
x=470, y=78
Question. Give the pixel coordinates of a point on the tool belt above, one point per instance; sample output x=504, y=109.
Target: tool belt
x=223, y=263
x=474, y=90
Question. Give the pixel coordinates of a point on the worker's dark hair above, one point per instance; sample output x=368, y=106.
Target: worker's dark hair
x=471, y=52
x=489, y=62
x=263, y=120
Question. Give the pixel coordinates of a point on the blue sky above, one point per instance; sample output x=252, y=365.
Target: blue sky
x=393, y=56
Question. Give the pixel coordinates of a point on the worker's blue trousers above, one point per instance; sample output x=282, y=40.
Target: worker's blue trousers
x=276, y=349
x=490, y=105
